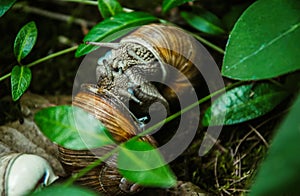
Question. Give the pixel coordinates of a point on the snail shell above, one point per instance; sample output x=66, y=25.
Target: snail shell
x=146, y=53
x=125, y=73
x=115, y=117
x=22, y=173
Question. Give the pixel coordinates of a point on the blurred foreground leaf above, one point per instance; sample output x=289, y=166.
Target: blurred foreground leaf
x=72, y=128
x=141, y=163
x=279, y=173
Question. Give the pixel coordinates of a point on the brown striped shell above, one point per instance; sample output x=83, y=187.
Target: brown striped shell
x=122, y=75
x=104, y=178
x=171, y=46
x=149, y=53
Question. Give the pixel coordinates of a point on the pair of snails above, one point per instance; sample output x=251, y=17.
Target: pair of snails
x=130, y=73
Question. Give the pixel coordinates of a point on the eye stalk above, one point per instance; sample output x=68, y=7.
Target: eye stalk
x=107, y=45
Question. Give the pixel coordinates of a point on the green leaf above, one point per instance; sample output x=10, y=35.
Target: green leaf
x=279, y=173
x=20, y=81
x=72, y=128
x=25, y=40
x=5, y=5
x=141, y=163
x=264, y=42
x=244, y=103
x=109, y=8
x=112, y=25
x=62, y=190
x=204, y=21
x=169, y=4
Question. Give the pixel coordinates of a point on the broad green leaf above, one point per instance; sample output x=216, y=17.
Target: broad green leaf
x=244, y=103
x=204, y=21
x=5, y=5
x=25, y=40
x=63, y=190
x=279, y=173
x=20, y=81
x=169, y=4
x=72, y=128
x=264, y=42
x=109, y=8
x=113, y=25
x=141, y=163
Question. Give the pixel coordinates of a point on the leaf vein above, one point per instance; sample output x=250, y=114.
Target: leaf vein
x=264, y=46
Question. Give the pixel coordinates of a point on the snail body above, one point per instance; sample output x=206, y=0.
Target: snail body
x=146, y=55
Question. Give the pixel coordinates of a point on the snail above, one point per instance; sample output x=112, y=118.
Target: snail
x=128, y=73
x=148, y=54
x=105, y=178
x=28, y=160
x=21, y=173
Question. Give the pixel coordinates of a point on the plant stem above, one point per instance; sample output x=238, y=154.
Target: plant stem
x=5, y=76
x=44, y=59
x=52, y=56
x=201, y=39
x=54, y=15
x=209, y=44
x=87, y=2
x=177, y=114
x=94, y=164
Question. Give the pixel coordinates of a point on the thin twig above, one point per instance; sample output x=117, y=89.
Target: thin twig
x=44, y=59
x=217, y=143
x=94, y=3
x=201, y=39
x=209, y=44
x=54, y=15
x=177, y=114
x=244, y=155
x=273, y=117
x=239, y=180
x=91, y=166
x=87, y=2
x=225, y=191
x=238, y=166
x=241, y=141
x=216, y=174
x=259, y=135
x=239, y=190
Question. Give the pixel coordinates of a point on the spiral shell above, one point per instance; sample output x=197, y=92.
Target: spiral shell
x=105, y=178
x=169, y=45
x=22, y=173
x=123, y=74
x=147, y=52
